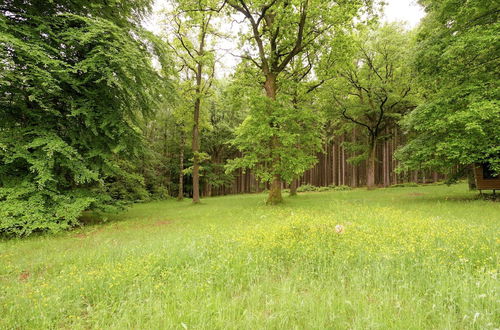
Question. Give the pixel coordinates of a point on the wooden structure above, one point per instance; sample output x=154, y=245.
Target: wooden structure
x=485, y=178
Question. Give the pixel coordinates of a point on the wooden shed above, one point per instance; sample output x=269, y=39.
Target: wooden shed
x=485, y=178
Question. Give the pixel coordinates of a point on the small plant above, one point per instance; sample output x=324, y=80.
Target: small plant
x=404, y=185
x=307, y=188
x=341, y=188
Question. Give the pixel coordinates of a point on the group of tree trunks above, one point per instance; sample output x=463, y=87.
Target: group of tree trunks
x=333, y=168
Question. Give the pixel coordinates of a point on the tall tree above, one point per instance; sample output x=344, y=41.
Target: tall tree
x=296, y=129
x=278, y=32
x=225, y=114
x=193, y=36
x=457, y=64
x=299, y=86
x=375, y=88
x=76, y=82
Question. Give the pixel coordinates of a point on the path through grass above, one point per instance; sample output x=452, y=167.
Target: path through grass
x=409, y=258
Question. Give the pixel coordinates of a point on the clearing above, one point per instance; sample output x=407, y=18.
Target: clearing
x=419, y=257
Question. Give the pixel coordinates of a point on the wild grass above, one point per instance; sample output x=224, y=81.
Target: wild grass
x=407, y=258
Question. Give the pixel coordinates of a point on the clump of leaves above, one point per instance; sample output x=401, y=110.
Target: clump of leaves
x=76, y=83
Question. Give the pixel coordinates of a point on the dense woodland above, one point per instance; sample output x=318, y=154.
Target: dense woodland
x=97, y=112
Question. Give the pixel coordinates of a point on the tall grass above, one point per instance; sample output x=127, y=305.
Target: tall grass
x=407, y=258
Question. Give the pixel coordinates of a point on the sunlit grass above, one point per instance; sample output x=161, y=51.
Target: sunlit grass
x=408, y=258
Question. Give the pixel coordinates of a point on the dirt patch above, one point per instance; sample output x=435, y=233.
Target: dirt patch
x=24, y=275
x=162, y=223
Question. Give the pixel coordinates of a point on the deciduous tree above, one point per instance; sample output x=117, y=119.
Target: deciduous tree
x=375, y=89
x=278, y=32
x=193, y=35
x=457, y=65
x=76, y=82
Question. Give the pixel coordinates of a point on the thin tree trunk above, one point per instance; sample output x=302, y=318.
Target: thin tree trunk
x=325, y=166
x=180, y=195
x=334, y=164
x=343, y=161
x=196, y=117
x=196, y=151
x=471, y=179
x=293, y=188
x=415, y=177
x=371, y=166
x=355, y=167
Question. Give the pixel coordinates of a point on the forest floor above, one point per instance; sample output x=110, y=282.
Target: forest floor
x=407, y=258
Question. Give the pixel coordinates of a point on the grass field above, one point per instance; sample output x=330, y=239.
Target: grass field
x=408, y=258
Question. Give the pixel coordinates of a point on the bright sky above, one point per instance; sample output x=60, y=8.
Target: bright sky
x=404, y=10
x=396, y=10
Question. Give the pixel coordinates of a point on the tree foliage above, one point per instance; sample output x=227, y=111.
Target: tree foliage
x=76, y=83
x=193, y=38
x=296, y=126
x=457, y=63
x=373, y=89
x=280, y=32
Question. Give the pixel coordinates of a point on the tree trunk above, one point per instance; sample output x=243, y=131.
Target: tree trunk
x=196, y=131
x=370, y=182
x=196, y=150
x=470, y=178
x=180, y=195
x=293, y=188
x=275, y=196
x=415, y=177
x=354, y=181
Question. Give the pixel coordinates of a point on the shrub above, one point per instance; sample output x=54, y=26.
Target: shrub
x=404, y=185
x=340, y=188
x=307, y=188
x=76, y=86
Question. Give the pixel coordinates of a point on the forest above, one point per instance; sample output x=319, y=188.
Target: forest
x=249, y=164
x=98, y=111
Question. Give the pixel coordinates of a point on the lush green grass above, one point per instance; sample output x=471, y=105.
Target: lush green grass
x=409, y=258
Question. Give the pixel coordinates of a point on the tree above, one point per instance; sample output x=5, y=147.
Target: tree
x=295, y=128
x=76, y=83
x=299, y=86
x=374, y=90
x=163, y=163
x=226, y=112
x=279, y=31
x=457, y=65
x=192, y=33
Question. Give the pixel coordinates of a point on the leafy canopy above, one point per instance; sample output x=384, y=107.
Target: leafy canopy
x=76, y=82
x=457, y=63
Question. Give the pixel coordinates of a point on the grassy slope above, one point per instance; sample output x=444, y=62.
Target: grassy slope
x=417, y=258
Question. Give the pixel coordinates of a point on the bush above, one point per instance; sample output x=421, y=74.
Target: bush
x=340, y=188
x=75, y=90
x=404, y=185
x=311, y=188
x=307, y=188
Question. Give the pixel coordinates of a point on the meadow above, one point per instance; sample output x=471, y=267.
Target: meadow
x=405, y=258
